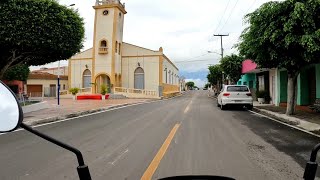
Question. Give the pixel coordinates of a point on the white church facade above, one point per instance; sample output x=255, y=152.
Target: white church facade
x=123, y=67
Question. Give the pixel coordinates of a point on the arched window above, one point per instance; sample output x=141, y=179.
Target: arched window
x=103, y=49
x=86, y=78
x=116, y=46
x=103, y=43
x=172, y=78
x=139, y=78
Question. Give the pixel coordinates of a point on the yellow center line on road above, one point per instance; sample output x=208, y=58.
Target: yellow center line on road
x=156, y=160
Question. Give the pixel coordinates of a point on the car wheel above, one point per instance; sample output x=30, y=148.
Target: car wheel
x=250, y=107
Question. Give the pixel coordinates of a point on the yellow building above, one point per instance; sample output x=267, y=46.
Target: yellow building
x=125, y=68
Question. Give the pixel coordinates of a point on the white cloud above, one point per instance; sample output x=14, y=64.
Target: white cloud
x=184, y=28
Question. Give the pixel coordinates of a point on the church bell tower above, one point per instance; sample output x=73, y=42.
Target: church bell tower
x=107, y=43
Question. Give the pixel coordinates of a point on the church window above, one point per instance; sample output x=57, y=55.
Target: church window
x=105, y=12
x=116, y=46
x=103, y=43
x=103, y=49
x=86, y=78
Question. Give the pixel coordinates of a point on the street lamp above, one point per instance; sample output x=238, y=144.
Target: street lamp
x=212, y=52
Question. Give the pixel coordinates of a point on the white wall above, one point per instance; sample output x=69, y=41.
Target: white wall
x=84, y=54
x=104, y=31
x=133, y=50
x=150, y=65
x=77, y=67
x=119, y=38
x=171, y=69
x=46, y=83
x=272, y=84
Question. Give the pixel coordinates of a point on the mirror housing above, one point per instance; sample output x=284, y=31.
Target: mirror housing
x=11, y=114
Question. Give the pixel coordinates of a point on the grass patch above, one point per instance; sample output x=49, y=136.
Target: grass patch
x=27, y=103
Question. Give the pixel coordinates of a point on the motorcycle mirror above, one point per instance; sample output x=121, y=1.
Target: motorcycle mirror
x=11, y=114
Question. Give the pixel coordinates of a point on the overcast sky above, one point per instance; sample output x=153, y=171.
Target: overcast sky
x=184, y=28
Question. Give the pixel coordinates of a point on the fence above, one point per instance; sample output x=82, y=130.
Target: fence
x=135, y=92
x=81, y=91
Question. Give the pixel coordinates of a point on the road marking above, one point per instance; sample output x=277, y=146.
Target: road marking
x=112, y=109
x=295, y=127
x=68, y=119
x=188, y=107
x=156, y=160
x=119, y=157
x=186, y=110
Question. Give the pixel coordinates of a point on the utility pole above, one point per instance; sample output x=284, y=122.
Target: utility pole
x=221, y=35
x=58, y=94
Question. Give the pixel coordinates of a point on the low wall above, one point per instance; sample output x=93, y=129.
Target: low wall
x=170, y=88
x=170, y=94
x=137, y=96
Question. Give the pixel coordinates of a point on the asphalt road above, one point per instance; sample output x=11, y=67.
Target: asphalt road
x=184, y=135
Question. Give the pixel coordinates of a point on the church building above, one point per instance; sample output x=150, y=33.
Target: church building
x=125, y=68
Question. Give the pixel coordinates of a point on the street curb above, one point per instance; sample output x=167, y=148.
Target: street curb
x=288, y=121
x=286, y=124
x=292, y=123
x=77, y=114
x=81, y=113
x=275, y=116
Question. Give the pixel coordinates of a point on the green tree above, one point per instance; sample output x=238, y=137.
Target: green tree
x=36, y=32
x=215, y=74
x=286, y=35
x=232, y=67
x=18, y=72
x=190, y=84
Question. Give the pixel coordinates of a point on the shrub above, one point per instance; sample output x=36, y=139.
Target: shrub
x=74, y=91
x=104, y=89
x=263, y=94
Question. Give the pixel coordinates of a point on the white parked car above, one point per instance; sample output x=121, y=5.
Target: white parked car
x=235, y=95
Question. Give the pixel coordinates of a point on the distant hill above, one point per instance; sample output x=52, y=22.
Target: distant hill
x=201, y=74
x=198, y=77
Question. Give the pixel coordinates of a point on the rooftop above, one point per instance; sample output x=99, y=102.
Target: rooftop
x=46, y=76
x=108, y=2
x=54, y=68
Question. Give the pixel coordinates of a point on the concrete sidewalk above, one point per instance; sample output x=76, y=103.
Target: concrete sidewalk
x=69, y=108
x=305, y=123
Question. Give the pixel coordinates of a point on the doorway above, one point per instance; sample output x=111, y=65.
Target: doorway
x=100, y=80
x=139, y=78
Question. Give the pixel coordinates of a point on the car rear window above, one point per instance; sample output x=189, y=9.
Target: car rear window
x=237, y=89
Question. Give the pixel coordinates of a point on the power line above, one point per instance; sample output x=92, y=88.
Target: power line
x=229, y=15
x=195, y=57
x=222, y=16
x=193, y=61
x=250, y=7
